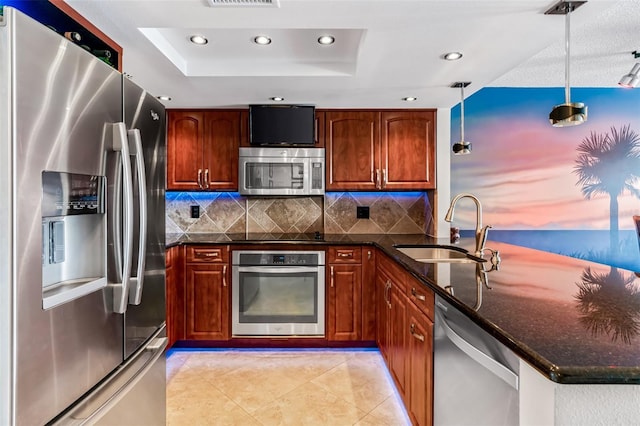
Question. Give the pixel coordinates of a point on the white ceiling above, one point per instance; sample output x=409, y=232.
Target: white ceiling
x=385, y=49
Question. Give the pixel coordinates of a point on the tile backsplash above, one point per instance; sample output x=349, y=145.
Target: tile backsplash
x=335, y=213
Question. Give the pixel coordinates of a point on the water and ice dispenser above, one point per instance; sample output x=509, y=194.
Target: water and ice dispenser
x=74, y=236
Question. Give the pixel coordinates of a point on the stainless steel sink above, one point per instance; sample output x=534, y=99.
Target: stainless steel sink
x=429, y=253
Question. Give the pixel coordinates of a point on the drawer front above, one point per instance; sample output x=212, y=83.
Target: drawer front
x=395, y=272
x=208, y=254
x=345, y=255
x=421, y=296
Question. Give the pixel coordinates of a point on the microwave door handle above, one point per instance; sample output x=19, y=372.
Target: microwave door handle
x=121, y=290
x=137, y=280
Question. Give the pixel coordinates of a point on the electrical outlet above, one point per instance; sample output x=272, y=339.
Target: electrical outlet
x=195, y=212
x=362, y=212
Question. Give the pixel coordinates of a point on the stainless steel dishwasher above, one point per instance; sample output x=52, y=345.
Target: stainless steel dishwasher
x=475, y=376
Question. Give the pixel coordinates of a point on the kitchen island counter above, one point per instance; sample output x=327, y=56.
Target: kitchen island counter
x=576, y=322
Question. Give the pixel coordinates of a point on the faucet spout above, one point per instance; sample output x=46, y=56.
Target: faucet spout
x=481, y=232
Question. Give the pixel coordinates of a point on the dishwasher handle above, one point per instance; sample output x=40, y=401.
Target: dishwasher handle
x=477, y=355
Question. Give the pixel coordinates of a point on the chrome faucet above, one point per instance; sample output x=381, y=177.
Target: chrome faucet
x=481, y=233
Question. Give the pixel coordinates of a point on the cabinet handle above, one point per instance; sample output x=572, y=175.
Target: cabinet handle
x=211, y=254
x=340, y=254
x=415, y=294
x=378, y=186
x=206, y=178
x=387, y=298
x=200, y=178
x=224, y=276
x=384, y=178
x=368, y=254
x=331, y=268
x=412, y=330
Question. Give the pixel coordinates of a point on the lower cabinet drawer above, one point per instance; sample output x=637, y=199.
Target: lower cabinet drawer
x=422, y=297
x=206, y=254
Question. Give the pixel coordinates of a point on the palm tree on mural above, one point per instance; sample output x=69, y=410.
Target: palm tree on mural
x=609, y=164
x=609, y=303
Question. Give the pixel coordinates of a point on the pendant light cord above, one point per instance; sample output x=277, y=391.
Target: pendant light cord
x=462, y=112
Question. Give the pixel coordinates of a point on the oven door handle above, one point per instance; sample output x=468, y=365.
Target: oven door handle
x=277, y=269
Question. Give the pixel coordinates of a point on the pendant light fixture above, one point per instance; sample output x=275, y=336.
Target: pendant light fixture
x=463, y=147
x=632, y=79
x=569, y=113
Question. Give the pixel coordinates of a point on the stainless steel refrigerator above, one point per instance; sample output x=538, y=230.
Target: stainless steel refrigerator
x=82, y=182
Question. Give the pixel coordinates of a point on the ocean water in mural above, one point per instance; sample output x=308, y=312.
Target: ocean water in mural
x=571, y=190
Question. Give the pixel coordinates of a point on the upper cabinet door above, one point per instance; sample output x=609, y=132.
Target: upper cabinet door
x=408, y=149
x=221, y=143
x=352, y=150
x=185, y=135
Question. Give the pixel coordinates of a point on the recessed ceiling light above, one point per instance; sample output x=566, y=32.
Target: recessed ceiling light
x=410, y=99
x=452, y=56
x=277, y=98
x=164, y=98
x=261, y=39
x=198, y=39
x=326, y=39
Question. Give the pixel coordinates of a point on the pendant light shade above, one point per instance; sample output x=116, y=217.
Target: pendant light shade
x=463, y=147
x=569, y=113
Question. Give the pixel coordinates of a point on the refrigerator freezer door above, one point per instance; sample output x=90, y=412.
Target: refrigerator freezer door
x=60, y=102
x=133, y=395
x=144, y=115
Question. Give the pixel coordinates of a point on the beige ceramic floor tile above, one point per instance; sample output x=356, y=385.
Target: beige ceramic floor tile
x=229, y=387
x=175, y=361
x=310, y=405
x=371, y=420
x=392, y=412
x=254, y=386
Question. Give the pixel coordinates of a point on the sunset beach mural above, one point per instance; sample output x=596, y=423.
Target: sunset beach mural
x=538, y=184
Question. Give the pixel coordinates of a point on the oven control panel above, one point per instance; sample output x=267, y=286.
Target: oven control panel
x=253, y=258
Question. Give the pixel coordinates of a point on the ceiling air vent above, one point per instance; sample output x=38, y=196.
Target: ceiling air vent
x=244, y=3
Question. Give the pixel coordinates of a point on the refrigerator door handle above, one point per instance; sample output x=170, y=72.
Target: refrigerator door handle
x=137, y=280
x=121, y=290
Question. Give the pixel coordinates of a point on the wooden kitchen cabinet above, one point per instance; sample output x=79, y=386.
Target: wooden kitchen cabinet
x=207, y=293
x=380, y=150
x=202, y=149
x=174, y=290
x=392, y=319
x=344, y=294
x=352, y=150
x=407, y=140
x=419, y=396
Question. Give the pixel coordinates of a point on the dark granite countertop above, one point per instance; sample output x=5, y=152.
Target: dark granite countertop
x=573, y=320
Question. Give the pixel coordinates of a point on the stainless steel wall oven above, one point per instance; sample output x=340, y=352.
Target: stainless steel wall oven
x=278, y=293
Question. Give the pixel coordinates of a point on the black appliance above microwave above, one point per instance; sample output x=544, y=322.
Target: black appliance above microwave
x=282, y=125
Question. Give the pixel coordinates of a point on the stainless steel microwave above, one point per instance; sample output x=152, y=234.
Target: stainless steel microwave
x=281, y=171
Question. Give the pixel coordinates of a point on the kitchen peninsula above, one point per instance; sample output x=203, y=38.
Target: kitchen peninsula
x=571, y=322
